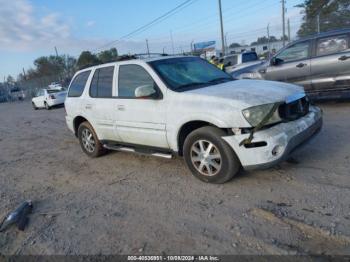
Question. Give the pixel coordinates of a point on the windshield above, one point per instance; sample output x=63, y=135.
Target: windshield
x=187, y=73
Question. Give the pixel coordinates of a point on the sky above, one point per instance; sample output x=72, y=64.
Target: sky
x=33, y=28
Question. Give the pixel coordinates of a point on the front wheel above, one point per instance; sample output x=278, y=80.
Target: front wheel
x=209, y=157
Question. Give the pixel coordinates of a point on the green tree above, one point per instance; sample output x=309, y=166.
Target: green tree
x=333, y=14
x=87, y=59
x=107, y=56
x=234, y=45
x=49, y=65
x=264, y=40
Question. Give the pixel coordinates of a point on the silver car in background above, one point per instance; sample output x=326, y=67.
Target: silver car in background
x=320, y=63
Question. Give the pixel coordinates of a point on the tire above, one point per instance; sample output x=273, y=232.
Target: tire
x=218, y=166
x=47, y=106
x=91, y=146
x=34, y=106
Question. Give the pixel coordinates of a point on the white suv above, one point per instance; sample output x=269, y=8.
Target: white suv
x=185, y=106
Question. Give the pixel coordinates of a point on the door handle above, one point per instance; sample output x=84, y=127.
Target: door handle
x=343, y=58
x=121, y=107
x=301, y=65
x=88, y=106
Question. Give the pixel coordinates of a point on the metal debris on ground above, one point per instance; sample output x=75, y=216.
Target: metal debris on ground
x=19, y=216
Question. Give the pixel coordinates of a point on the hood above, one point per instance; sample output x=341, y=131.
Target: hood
x=250, y=92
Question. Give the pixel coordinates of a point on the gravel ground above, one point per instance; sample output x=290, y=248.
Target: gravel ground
x=127, y=204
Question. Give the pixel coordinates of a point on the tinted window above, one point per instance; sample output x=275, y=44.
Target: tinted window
x=132, y=77
x=232, y=60
x=331, y=45
x=295, y=52
x=52, y=91
x=102, y=82
x=77, y=87
x=248, y=57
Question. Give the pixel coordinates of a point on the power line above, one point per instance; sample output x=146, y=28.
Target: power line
x=148, y=25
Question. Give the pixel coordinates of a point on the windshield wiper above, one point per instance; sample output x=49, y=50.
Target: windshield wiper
x=195, y=84
x=220, y=80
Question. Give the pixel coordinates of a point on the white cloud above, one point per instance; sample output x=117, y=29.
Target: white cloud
x=23, y=30
x=90, y=23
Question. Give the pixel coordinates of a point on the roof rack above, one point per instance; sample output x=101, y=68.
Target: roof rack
x=149, y=55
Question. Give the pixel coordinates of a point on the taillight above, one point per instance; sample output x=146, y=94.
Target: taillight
x=52, y=97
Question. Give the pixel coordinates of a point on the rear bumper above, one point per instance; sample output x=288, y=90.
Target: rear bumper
x=70, y=124
x=55, y=102
x=285, y=137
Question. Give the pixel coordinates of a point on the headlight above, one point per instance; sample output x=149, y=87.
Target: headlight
x=252, y=75
x=254, y=115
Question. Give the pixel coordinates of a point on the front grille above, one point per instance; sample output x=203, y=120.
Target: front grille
x=294, y=110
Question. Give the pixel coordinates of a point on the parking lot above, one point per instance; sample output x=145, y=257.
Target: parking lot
x=128, y=204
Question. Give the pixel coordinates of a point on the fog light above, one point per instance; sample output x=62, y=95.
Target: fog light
x=277, y=150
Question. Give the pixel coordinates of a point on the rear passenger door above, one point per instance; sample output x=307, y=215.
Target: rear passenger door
x=139, y=121
x=330, y=68
x=99, y=103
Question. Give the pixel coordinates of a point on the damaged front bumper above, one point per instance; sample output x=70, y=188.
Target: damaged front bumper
x=273, y=145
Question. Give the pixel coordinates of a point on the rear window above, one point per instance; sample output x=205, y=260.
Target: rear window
x=52, y=91
x=248, y=57
x=332, y=45
x=76, y=89
x=102, y=82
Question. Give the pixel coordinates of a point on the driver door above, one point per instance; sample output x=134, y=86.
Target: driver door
x=139, y=121
x=292, y=65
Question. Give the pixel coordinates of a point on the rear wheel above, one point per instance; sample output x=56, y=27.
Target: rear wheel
x=47, y=106
x=34, y=106
x=89, y=141
x=209, y=157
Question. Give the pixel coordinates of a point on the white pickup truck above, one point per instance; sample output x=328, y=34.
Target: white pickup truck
x=184, y=106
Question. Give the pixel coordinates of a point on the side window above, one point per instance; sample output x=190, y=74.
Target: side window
x=232, y=60
x=102, y=82
x=132, y=77
x=76, y=89
x=332, y=45
x=248, y=57
x=295, y=52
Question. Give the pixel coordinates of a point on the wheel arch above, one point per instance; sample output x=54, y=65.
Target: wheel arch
x=189, y=127
x=77, y=122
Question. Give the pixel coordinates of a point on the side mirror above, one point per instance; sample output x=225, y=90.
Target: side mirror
x=146, y=91
x=276, y=61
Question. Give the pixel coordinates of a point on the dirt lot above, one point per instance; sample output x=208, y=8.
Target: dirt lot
x=127, y=204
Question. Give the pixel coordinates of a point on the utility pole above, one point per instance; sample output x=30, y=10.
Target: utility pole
x=56, y=51
x=318, y=22
x=283, y=22
x=147, y=47
x=288, y=25
x=172, y=41
x=226, y=44
x=268, y=39
x=222, y=29
x=24, y=73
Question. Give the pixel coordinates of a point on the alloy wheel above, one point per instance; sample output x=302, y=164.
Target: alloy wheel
x=206, y=158
x=88, y=140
